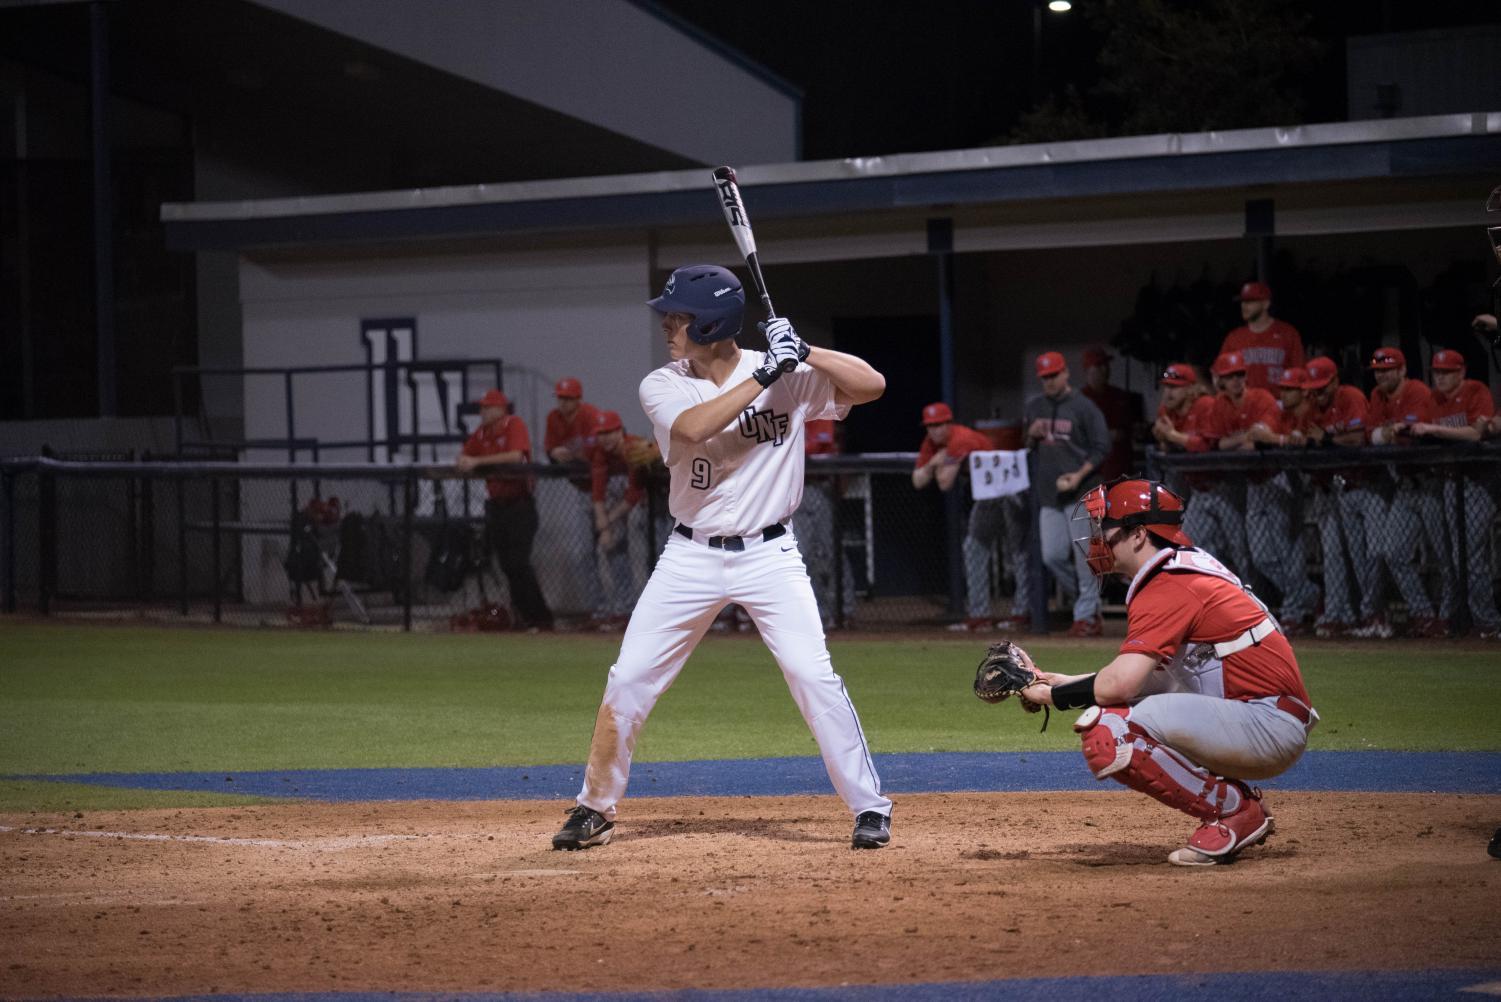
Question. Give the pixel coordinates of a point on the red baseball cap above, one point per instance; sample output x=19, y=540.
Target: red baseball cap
x=607, y=421
x=1179, y=374
x=939, y=413
x=1229, y=363
x=494, y=398
x=1295, y=378
x=1447, y=360
x=1050, y=362
x=1321, y=372
x=1388, y=358
x=1254, y=290
x=1096, y=355
x=569, y=387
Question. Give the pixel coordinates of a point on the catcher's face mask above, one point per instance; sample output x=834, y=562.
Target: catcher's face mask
x=1114, y=509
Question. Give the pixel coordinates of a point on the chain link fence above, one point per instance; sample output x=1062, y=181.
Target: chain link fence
x=1362, y=542
x=1340, y=542
x=415, y=547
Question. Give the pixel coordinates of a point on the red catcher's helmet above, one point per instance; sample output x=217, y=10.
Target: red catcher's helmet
x=1126, y=503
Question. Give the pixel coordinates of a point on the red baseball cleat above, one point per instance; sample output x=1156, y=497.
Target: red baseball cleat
x=1218, y=841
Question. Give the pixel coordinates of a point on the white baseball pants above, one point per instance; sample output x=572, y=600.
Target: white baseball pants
x=691, y=584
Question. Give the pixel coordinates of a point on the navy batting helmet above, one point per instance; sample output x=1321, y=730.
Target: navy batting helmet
x=712, y=294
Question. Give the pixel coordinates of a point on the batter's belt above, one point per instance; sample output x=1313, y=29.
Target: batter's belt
x=732, y=543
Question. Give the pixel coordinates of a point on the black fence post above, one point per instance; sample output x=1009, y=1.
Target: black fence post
x=46, y=540
x=213, y=486
x=147, y=566
x=182, y=547
x=410, y=491
x=8, y=490
x=836, y=494
x=1038, y=601
x=1462, y=556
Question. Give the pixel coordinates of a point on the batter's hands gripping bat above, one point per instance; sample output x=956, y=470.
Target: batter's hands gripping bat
x=745, y=238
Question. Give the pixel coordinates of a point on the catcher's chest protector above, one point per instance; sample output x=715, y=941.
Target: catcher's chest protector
x=1197, y=667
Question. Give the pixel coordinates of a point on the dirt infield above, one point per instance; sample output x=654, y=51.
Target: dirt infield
x=729, y=892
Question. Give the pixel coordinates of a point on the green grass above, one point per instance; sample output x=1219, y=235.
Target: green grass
x=87, y=699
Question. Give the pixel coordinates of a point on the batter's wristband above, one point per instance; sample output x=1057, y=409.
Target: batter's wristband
x=1074, y=695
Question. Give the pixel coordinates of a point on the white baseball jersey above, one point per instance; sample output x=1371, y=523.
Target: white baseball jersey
x=750, y=475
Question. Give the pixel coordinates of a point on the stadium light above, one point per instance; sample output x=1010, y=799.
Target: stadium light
x=1060, y=6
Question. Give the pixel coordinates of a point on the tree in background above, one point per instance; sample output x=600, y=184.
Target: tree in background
x=1184, y=66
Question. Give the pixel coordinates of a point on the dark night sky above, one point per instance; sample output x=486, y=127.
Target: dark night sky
x=949, y=74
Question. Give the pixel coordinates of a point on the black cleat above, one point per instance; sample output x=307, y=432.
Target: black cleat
x=584, y=827
x=872, y=830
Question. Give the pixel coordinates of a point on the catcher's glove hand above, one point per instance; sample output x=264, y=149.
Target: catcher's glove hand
x=1003, y=672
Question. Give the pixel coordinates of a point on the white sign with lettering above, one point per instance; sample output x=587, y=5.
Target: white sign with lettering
x=997, y=474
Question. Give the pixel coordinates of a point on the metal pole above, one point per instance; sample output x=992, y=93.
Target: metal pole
x=836, y=492
x=291, y=419
x=941, y=246
x=1462, y=557
x=410, y=491
x=182, y=548
x=8, y=489
x=213, y=486
x=46, y=541
x=104, y=211
x=1039, y=597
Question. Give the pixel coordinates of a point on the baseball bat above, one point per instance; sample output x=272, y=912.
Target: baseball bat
x=745, y=238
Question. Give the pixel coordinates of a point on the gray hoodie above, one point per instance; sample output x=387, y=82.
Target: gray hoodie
x=1063, y=434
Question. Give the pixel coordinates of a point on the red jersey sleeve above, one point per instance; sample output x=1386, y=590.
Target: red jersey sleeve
x=556, y=432
x=963, y=441
x=925, y=454
x=517, y=437
x=1262, y=409
x=1477, y=400
x=599, y=474
x=472, y=443
x=1159, y=617
x=1200, y=425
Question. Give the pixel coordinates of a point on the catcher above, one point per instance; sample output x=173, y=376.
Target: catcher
x=1205, y=692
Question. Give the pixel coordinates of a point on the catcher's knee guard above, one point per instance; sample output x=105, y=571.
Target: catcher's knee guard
x=1116, y=748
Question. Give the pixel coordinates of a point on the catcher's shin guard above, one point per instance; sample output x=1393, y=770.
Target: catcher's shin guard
x=1117, y=748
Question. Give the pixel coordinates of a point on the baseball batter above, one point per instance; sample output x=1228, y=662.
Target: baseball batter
x=730, y=425
x=1205, y=692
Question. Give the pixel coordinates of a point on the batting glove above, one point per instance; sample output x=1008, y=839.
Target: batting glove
x=779, y=333
x=769, y=372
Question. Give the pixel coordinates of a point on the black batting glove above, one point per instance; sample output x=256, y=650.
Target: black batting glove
x=768, y=372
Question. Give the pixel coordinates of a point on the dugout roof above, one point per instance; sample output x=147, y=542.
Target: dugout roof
x=1343, y=169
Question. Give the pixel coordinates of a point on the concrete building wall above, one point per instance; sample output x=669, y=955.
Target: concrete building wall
x=606, y=62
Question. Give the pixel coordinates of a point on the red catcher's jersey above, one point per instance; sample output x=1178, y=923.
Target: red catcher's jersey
x=962, y=441
x=1278, y=347
x=1471, y=402
x=1174, y=605
x=506, y=435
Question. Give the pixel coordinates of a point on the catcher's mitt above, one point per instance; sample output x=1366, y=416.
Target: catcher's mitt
x=1003, y=673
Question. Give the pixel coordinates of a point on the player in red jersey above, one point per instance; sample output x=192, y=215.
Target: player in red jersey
x=1266, y=344
x=567, y=438
x=1462, y=410
x=510, y=511
x=1343, y=503
x=945, y=447
x=1204, y=693
x=1397, y=403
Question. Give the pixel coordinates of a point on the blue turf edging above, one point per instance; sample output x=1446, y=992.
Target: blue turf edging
x=1328, y=986
x=928, y=772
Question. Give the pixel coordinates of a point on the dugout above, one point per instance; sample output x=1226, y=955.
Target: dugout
x=947, y=270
